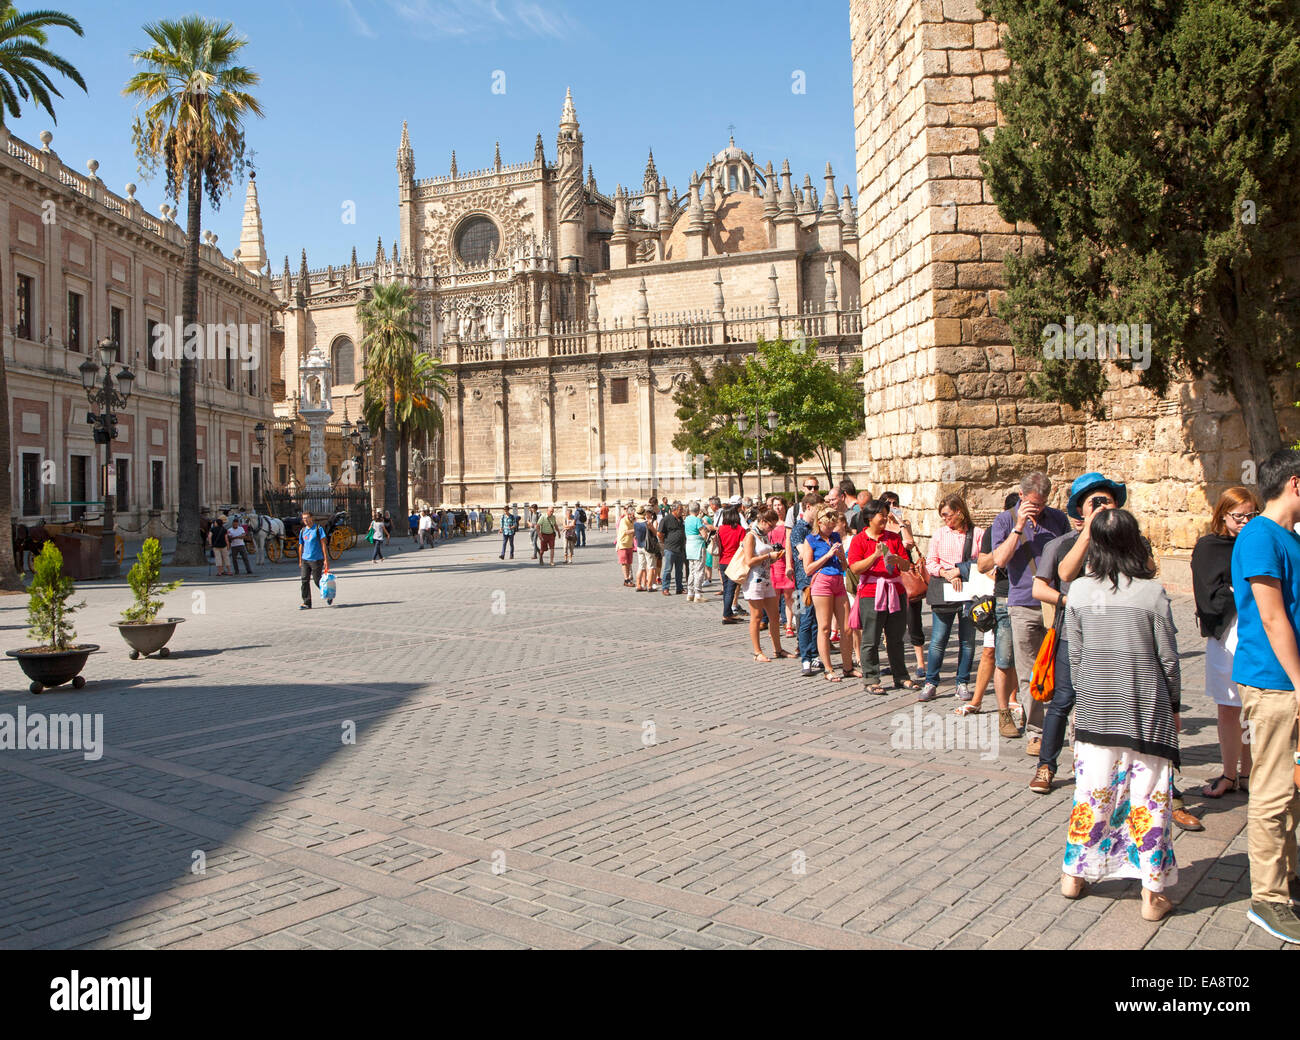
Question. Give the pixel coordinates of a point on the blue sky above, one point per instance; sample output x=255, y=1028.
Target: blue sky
x=339, y=76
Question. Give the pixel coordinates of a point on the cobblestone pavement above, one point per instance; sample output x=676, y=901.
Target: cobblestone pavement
x=542, y=758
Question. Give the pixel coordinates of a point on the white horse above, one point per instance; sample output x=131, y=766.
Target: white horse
x=260, y=527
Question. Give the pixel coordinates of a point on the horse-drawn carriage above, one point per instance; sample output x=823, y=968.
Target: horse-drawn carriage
x=30, y=538
x=281, y=535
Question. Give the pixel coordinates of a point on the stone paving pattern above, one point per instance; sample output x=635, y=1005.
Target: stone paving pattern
x=499, y=793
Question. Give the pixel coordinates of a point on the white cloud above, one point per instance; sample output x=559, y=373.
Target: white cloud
x=355, y=20
x=482, y=18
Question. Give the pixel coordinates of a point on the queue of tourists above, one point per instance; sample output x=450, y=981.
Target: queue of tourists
x=1068, y=619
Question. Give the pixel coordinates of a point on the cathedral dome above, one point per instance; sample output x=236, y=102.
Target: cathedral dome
x=739, y=228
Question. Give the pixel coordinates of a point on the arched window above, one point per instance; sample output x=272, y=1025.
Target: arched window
x=344, y=362
x=477, y=240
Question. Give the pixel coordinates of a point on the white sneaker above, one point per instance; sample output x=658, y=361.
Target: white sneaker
x=963, y=692
x=929, y=692
x=1018, y=715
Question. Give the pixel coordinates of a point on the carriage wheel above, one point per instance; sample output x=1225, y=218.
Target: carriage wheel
x=290, y=548
x=332, y=550
x=273, y=552
x=339, y=542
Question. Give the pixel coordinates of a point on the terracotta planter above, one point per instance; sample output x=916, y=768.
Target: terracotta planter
x=148, y=638
x=47, y=670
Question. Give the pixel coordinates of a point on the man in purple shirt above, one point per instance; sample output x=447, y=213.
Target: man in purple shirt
x=1019, y=536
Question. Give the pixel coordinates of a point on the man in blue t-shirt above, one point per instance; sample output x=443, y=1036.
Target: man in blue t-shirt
x=1266, y=669
x=312, y=562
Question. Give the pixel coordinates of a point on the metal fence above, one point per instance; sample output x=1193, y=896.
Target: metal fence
x=323, y=504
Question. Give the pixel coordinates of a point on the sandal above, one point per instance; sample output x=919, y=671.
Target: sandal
x=908, y=684
x=1241, y=782
x=850, y=673
x=967, y=709
x=784, y=653
x=761, y=657
x=1157, y=909
x=832, y=677
x=789, y=631
x=1234, y=784
x=877, y=689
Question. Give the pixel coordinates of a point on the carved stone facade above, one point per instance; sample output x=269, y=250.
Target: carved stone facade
x=564, y=316
x=945, y=393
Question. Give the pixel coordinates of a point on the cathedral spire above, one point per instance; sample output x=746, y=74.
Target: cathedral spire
x=539, y=152
x=353, y=272
x=286, y=281
x=651, y=179
x=496, y=159
x=304, y=280
x=405, y=155
x=453, y=163
x=786, y=197
x=830, y=205
x=252, y=246
x=569, y=117
x=379, y=252
x=847, y=215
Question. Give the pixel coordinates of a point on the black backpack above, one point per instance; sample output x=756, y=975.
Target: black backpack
x=582, y=516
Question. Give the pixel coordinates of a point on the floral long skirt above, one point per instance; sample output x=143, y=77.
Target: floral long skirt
x=1121, y=825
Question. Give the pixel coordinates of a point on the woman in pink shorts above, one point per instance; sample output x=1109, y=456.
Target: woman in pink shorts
x=824, y=561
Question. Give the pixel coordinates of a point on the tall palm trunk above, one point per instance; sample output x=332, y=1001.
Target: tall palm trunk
x=390, y=446
x=9, y=579
x=189, y=552
x=404, y=471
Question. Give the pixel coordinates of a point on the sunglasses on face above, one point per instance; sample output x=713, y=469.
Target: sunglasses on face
x=1243, y=518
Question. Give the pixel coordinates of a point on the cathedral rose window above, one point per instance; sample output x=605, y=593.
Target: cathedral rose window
x=477, y=240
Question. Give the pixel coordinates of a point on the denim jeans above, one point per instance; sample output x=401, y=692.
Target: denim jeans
x=378, y=554
x=728, y=594
x=674, y=563
x=1058, y=710
x=508, y=541
x=582, y=535
x=807, y=629
x=941, y=622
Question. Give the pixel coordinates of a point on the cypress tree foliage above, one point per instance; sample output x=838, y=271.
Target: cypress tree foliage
x=1155, y=145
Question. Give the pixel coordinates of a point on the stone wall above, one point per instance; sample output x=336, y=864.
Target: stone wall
x=945, y=392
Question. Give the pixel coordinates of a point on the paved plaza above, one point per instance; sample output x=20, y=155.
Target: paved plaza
x=542, y=758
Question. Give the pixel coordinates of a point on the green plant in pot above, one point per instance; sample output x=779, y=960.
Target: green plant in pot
x=140, y=627
x=56, y=658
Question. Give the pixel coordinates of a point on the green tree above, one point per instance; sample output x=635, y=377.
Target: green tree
x=49, y=614
x=195, y=101
x=818, y=407
x=1154, y=146
x=389, y=341
x=706, y=429
x=23, y=63
x=146, y=583
x=418, y=415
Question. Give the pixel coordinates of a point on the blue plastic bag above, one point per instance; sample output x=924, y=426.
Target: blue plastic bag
x=328, y=587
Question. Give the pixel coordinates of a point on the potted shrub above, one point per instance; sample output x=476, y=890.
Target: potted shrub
x=57, y=658
x=140, y=626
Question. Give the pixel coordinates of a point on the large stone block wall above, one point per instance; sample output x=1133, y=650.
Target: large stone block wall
x=945, y=393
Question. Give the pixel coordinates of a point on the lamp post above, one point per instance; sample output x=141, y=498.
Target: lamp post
x=287, y=434
x=105, y=400
x=760, y=435
x=360, y=438
x=259, y=436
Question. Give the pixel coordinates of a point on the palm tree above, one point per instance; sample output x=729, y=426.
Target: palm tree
x=23, y=61
x=195, y=102
x=388, y=342
x=413, y=399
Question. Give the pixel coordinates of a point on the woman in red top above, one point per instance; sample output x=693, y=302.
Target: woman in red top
x=730, y=534
x=877, y=557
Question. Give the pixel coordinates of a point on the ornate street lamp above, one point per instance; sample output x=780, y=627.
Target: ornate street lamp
x=759, y=434
x=106, y=399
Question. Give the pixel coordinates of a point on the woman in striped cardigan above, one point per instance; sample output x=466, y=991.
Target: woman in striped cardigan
x=1124, y=663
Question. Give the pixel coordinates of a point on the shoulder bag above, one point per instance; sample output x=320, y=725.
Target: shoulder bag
x=934, y=595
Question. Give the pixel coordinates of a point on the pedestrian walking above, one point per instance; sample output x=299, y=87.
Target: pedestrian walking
x=570, y=529
x=1216, y=613
x=1265, y=568
x=730, y=534
x=509, y=524
x=219, y=541
x=1119, y=625
x=313, y=562
x=548, y=527
x=426, y=528
x=378, y=532
x=238, y=532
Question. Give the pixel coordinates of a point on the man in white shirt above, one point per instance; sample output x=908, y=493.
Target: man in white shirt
x=237, y=551
x=791, y=514
x=426, y=529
